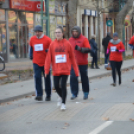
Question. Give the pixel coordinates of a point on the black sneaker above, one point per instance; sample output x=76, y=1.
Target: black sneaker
x=85, y=97
x=48, y=99
x=38, y=98
x=73, y=97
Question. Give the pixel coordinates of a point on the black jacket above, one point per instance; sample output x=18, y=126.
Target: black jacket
x=105, y=42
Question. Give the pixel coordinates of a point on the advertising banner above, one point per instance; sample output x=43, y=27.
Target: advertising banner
x=27, y=5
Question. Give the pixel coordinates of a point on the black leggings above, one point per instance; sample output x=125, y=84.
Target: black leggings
x=60, y=86
x=116, y=66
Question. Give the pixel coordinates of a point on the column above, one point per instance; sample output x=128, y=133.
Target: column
x=86, y=26
x=91, y=26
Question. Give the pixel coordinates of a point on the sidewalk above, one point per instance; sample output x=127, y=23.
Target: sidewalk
x=14, y=91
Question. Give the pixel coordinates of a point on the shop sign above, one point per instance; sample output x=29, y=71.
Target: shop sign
x=90, y=12
x=109, y=23
x=27, y=5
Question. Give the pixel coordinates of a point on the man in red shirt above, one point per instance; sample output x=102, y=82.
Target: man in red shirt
x=81, y=49
x=39, y=45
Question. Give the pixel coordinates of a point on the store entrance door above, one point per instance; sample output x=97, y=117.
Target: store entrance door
x=23, y=41
x=3, y=43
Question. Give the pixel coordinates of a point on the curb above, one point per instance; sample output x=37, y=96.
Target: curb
x=31, y=93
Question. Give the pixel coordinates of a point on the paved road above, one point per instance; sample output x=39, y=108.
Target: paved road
x=108, y=111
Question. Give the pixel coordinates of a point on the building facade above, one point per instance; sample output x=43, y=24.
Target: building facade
x=17, y=20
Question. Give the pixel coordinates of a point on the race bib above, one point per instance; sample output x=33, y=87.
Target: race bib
x=60, y=58
x=38, y=47
x=113, y=49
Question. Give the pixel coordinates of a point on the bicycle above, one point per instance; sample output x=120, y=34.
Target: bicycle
x=2, y=64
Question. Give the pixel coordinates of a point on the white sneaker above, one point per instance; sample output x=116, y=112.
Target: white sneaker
x=63, y=107
x=59, y=102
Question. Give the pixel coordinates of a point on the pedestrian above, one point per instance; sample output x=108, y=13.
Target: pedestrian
x=131, y=44
x=39, y=45
x=94, y=48
x=115, y=47
x=105, y=42
x=81, y=49
x=61, y=56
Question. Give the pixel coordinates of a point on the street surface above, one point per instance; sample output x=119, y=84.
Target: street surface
x=109, y=110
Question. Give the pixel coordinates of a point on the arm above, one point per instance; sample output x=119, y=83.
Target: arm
x=73, y=61
x=121, y=49
x=86, y=48
x=48, y=62
x=30, y=50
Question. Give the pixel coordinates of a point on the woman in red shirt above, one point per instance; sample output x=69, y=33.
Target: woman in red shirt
x=61, y=56
x=115, y=47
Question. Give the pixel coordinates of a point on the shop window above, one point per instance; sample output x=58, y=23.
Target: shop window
x=12, y=17
x=59, y=21
x=52, y=26
x=29, y=18
x=2, y=15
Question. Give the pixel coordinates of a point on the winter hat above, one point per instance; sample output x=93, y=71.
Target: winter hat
x=38, y=28
x=76, y=28
x=115, y=34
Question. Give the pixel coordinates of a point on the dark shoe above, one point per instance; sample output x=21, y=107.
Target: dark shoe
x=38, y=98
x=97, y=67
x=92, y=67
x=85, y=96
x=73, y=97
x=48, y=99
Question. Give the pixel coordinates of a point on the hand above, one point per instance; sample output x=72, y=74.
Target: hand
x=45, y=75
x=31, y=58
x=77, y=48
x=46, y=50
x=117, y=50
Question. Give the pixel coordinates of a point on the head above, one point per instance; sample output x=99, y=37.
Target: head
x=38, y=30
x=93, y=36
x=76, y=31
x=59, y=33
x=115, y=36
x=108, y=34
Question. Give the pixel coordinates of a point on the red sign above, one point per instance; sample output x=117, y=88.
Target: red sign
x=27, y=5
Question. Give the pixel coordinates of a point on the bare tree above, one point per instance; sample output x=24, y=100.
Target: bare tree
x=119, y=20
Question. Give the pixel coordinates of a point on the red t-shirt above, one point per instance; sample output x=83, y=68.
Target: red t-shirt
x=114, y=55
x=39, y=46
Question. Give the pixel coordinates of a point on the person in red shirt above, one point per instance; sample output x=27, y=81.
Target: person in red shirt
x=39, y=45
x=115, y=47
x=131, y=44
x=81, y=49
x=61, y=56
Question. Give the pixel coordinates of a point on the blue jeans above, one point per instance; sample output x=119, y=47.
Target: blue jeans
x=106, y=58
x=38, y=71
x=83, y=69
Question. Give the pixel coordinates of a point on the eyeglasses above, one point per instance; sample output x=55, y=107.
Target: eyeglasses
x=57, y=32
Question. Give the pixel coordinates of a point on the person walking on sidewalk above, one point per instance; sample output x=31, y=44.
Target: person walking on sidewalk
x=131, y=44
x=115, y=47
x=39, y=45
x=61, y=56
x=94, y=52
x=105, y=42
x=81, y=49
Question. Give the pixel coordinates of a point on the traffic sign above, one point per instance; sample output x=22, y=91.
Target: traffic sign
x=109, y=23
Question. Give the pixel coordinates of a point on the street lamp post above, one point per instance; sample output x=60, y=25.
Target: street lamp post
x=46, y=17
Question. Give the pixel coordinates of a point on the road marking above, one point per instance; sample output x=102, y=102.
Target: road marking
x=100, y=128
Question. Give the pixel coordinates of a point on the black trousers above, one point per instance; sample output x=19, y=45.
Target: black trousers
x=116, y=66
x=94, y=60
x=60, y=86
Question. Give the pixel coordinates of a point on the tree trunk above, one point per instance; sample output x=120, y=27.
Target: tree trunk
x=119, y=20
x=72, y=14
